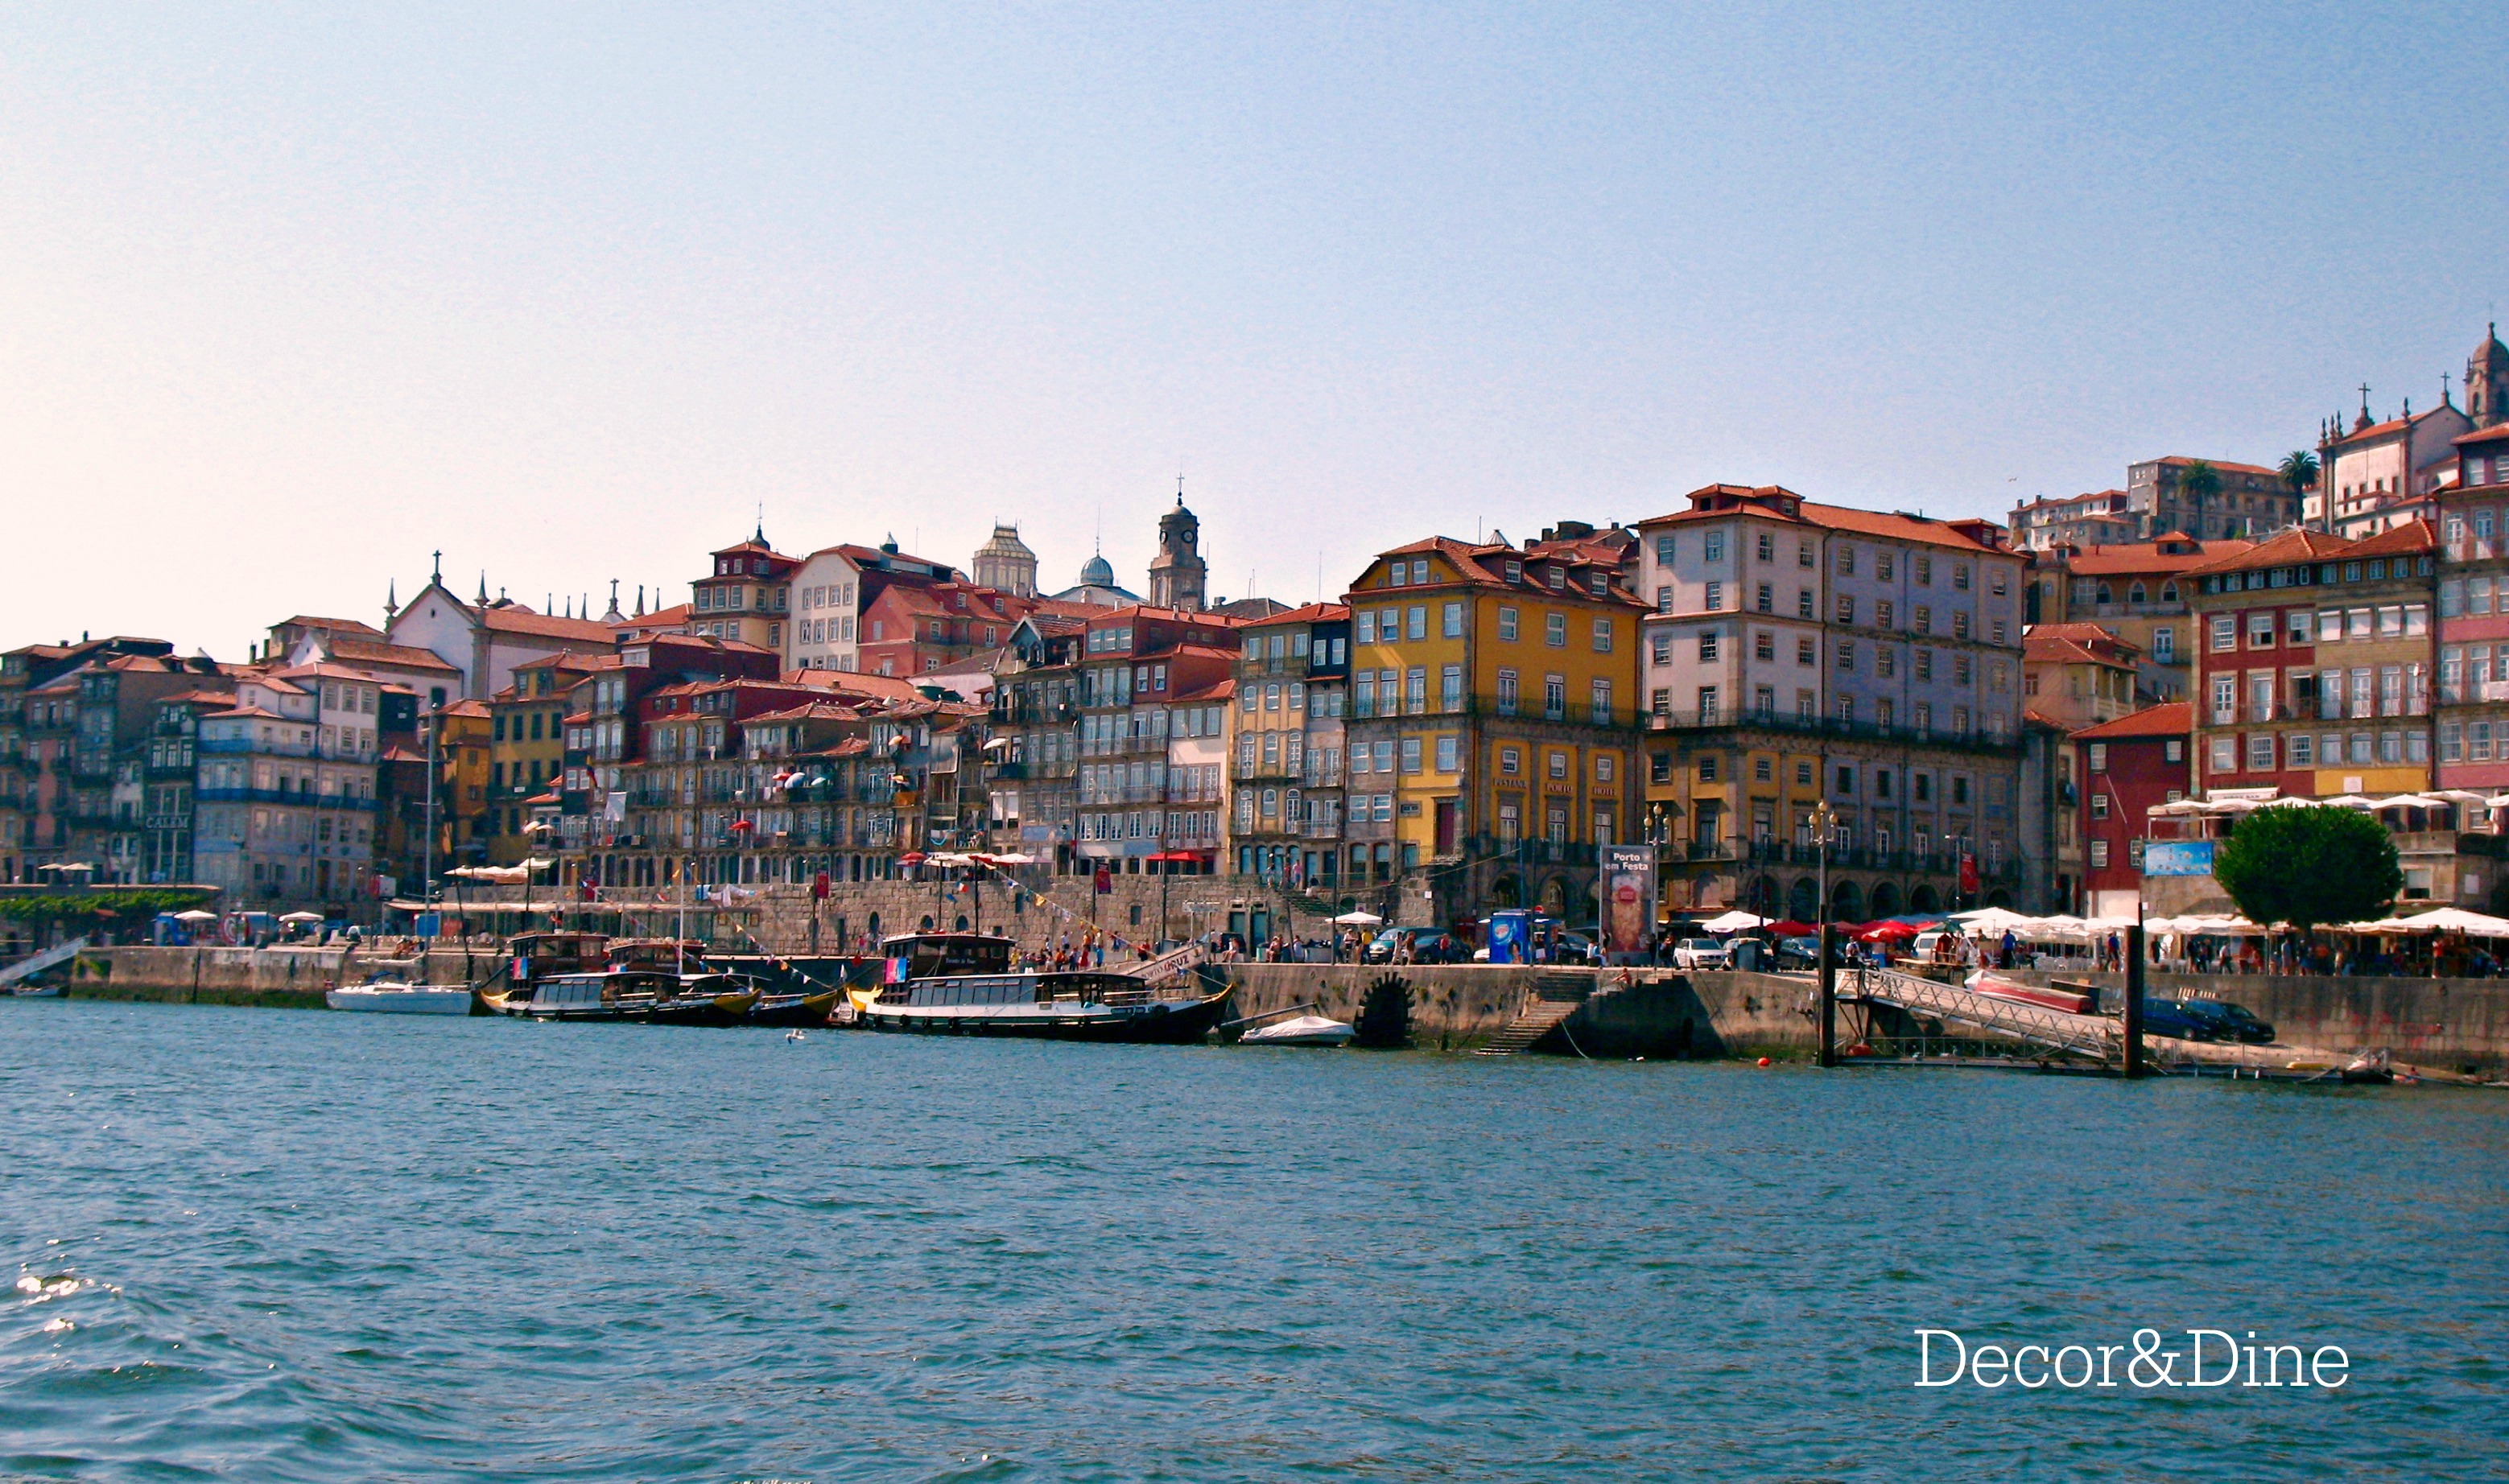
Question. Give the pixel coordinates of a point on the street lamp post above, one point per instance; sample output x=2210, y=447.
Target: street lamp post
x=1824, y=820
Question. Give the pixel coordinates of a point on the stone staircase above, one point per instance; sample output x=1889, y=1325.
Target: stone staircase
x=1555, y=997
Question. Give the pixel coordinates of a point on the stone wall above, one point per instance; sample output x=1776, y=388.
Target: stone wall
x=1455, y=1007
x=2460, y=1024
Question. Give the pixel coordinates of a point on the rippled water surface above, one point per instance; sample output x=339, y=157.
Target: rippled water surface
x=271, y=1246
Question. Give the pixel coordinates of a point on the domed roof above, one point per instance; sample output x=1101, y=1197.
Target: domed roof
x=1006, y=542
x=2492, y=351
x=1098, y=571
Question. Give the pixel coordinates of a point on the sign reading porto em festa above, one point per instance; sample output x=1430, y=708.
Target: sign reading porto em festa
x=1629, y=898
x=2178, y=858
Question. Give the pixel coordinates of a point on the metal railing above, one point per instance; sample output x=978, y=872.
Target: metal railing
x=2092, y=1035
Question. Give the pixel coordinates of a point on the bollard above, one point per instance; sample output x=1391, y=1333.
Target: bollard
x=2132, y=1019
x=1828, y=1056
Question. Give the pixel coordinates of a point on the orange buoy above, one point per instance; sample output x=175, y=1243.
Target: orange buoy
x=1764, y=1061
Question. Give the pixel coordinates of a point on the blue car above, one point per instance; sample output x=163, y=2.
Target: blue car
x=2170, y=1018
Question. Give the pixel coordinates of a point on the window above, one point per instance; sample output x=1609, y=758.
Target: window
x=1960, y=575
x=1714, y=547
x=1707, y=643
x=1846, y=607
x=2099, y=854
x=1451, y=622
x=1506, y=693
x=1803, y=603
x=1882, y=613
x=1604, y=767
x=1555, y=630
x=1554, y=697
x=1415, y=621
x=1505, y=626
x=1715, y=596
x=1803, y=553
x=1768, y=547
x=1410, y=755
x=1602, y=636
x=2164, y=645
x=1765, y=599
x=2099, y=806
x=1660, y=649
x=1510, y=762
x=1924, y=572
x=1449, y=754
x=1846, y=560
x=1846, y=657
x=1559, y=764
x=2261, y=753
x=1764, y=646
x=1599, y=699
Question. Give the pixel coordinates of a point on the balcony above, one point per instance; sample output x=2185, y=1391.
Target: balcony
x=1827, y=727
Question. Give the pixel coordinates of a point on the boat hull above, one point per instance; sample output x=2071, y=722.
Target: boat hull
x=416, y=1000
x=806, y=1010
x=1162, y=1023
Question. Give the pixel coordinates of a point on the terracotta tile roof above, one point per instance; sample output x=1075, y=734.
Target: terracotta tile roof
x=2414, y=535
x=853, y=683
x=2180, y=460
x=1220, y=692
x=2129, y=559
x=2041, y=649
x=2293, y=546
x=2169, y=719
x=1957, y=535
x=331, y=625
x=1312, y=613
x=2392, y=425
x=466, y=708
x=810, y=710
x=514, y=618
x=2496, y=434
x=407, y=657
x=254, y=712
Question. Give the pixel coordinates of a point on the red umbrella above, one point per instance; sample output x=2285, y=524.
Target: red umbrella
x=1889, y=932
x=1792, y=929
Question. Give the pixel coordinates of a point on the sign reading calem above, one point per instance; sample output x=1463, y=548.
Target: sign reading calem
x=2178, y=858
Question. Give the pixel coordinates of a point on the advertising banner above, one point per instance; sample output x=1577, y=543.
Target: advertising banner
x=1628, y=899
x=2178, y=858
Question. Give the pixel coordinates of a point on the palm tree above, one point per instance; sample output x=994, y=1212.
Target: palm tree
x=2299, y=469
x=2199, y=481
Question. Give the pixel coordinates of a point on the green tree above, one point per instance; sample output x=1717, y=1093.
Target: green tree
x=2299, y=469
x=2199, y=482
x=2309, y=865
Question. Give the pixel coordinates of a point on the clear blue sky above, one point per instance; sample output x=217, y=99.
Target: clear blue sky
x=290, y=298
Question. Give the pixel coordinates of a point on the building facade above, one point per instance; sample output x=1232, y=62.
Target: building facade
x=1800, y=654
x=2130, y=765
x=1289, y=742
x=2473, y=711
x=2315, y=673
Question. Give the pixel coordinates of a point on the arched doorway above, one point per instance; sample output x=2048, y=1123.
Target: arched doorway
x=1847, y=901
x=1555, y=898
x=1923, y=899
x=1998, y=898
x=1507, y=891
x=1762, y=896
x=1886, y=901
x=1803, y=903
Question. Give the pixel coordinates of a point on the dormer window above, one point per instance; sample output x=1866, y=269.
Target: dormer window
x=1514, y=570
x=1559, y=578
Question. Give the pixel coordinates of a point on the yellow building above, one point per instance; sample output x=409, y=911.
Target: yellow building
x=1492, y=704
x=462, y=759
x=526, y=753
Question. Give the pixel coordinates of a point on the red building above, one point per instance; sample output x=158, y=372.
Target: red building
x=2128, y=766
x=2256, y=723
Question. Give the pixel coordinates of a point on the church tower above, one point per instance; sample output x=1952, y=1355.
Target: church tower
x=2486, y=380
x=1176, y=575
x=1005, y=564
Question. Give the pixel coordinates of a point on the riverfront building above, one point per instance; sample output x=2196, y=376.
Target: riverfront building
x=1490, y=734
x=1293, y=693
x=1798, y=653
x=2474, y=615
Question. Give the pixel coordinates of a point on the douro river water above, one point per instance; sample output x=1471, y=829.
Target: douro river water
x=284, y=1245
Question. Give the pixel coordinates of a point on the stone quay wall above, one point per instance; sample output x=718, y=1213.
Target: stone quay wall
x=2461, y=1025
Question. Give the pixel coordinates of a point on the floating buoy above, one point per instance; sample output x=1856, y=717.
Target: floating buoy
x=1764, y=1061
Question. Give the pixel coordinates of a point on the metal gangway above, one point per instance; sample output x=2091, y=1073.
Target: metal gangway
x=36, y=963
x=2083, y=1035
x=1171, y=965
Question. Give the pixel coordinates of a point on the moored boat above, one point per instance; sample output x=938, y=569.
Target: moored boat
x=1300, y=1030
x=972, y=990
x=2070, y=999
x=795, y=1010
x=392, y=997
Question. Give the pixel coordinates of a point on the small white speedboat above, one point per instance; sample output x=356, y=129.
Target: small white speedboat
x=401, y=999
x=1301, y=1031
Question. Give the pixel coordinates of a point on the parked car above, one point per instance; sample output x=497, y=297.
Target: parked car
x=1699, y=953
x=1428, y=946
x=2228, y=1021
x=1799, y=953
x=2168, y=1017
